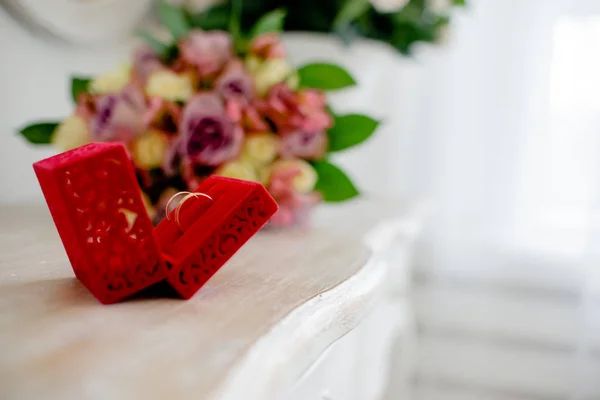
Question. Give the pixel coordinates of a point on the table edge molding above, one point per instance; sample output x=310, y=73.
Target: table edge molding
x=279, y=359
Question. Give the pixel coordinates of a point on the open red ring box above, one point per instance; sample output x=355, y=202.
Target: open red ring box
x=97, y=207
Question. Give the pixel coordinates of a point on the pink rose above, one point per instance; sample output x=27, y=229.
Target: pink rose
x=312, y=115
x=253, y=121
x=237, y=89
x=248, y=116
x=267, y=46
x=281, y=183
x=86, y=106
x=162, y=115
x=208, y=136
x=302, y=144
x=291, y=111
x=154, y=110
x=294, y=210
x=294, y=207
x=280, y=104
x=119, y=117
x=207, y=51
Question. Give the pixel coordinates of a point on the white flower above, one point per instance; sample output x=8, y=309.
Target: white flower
x=306, y=177
x=239, y=170
x=388, y=6
x=149, y=150
x=442, y=7
x=271, y=72
x=71, y=133
x=170, y=86
x=112, y=81
x=260, y=148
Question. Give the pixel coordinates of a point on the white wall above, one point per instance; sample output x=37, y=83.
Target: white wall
x=34, y=82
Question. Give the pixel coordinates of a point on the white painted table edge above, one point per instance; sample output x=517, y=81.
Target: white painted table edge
x=279, y=359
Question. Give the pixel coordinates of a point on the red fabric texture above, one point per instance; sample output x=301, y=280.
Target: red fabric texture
x=97, y=207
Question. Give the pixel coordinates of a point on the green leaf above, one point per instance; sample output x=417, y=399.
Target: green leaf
x=411, y=13
x=350, y=11
x=216, y=17
x=161, y=49
x=40, y=132
x=270, y=22
x=166, y=52
x=79, y=84
x=333, y=183
x=235, y=19
x=325, y=77
x=350, y=130
x=174, y=19
x=461, y=3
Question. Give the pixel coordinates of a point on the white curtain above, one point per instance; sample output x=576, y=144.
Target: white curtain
x=516, y=124
x=514, y=110
x=500, y=129
x=510, y=154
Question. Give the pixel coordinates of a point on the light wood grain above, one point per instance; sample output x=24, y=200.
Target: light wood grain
x=57, y=341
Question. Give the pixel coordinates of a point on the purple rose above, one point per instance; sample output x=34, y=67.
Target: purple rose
x=145, y=62
x=301, y=144
x=208, y=135
x=209, y=52
x=235, y=83
x=119, y=117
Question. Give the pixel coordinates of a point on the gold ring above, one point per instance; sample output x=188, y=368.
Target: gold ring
x=178, y=208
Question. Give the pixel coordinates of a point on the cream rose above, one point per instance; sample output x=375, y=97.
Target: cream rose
x=253, y=64
x=306, y=178
x=71, y=133
x=293, y=81
x=260, y=148
x=271, y=72
x=149, y=149
x=170, y=86
x=112, y=81
x=239, y=170
x=263, y=174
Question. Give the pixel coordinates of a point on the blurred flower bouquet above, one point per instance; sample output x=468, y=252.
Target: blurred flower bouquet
x=218, y=102
x=402, y=24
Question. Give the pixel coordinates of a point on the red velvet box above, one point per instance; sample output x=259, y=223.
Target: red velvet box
x=208, y=232
x=96, y=204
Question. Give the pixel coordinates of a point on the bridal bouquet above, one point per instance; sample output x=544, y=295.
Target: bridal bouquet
x=218, y=102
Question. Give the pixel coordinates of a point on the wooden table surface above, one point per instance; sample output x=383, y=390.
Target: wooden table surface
x=286, y=294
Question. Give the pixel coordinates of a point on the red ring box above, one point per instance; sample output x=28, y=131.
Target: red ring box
x=96, y=204
x=209, y=232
